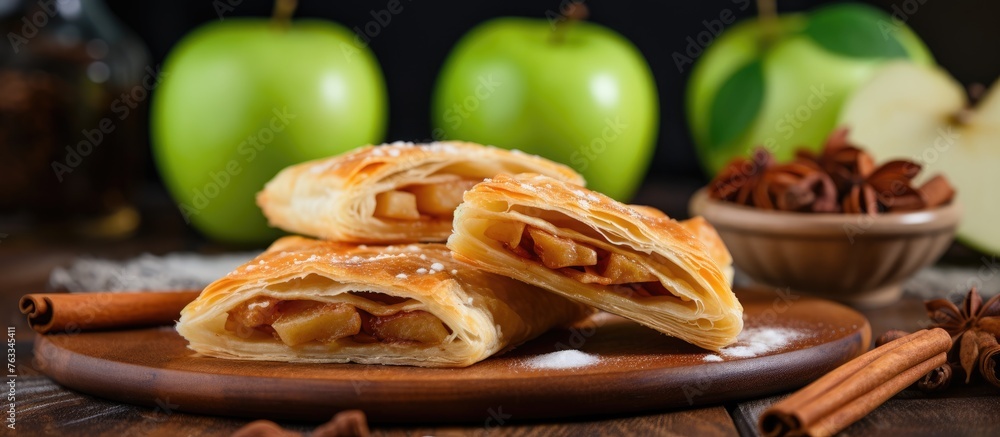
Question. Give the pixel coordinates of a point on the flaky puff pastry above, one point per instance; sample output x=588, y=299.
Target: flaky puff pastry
x=483, y=313
x=395, y=193
x=705, y=232
x=590, y=248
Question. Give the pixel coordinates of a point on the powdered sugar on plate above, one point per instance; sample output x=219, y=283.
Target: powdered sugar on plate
x=754, y=342
x=566, y=359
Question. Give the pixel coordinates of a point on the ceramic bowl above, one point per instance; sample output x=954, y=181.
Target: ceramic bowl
x=858, y=259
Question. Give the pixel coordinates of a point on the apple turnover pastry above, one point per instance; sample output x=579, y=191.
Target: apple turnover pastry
x=590, y=248
x=307, y=300
x=395, y=193
x=705, y=232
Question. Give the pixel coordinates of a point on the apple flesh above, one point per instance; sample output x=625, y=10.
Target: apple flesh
x=244, y=98
x=587, y=100
x=922, y=114
x=784, y=89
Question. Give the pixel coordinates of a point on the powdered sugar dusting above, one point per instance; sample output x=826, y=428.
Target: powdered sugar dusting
x=566, y=359
x=312, y=258
x=712, y=358
x=753, y=342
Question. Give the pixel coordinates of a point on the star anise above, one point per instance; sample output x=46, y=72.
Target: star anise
x=967, y=326
x=736, y=182
x=799, y=185
x=841, y=178
x=865, y=188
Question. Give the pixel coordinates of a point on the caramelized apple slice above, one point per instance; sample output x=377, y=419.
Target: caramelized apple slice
x=587, y=276
x=621, y=269
x=442, y=198
x=557, y=252
x=253, y=313
x=508, y=233
x=398, y=205
x=418, y=326
x=305, y=321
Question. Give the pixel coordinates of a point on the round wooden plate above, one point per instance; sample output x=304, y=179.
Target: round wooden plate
x=639, y=370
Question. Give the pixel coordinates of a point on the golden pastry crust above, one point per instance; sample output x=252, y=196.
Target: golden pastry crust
x=336, y=198
x=485, y=313
x=705, y=232
x=698, y=306
x=717, y=249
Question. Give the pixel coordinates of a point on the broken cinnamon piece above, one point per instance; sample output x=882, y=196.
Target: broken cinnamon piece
x=264, y=428
x=349, y=423
x=937, y=191
x=989, y=358
x=937, y=380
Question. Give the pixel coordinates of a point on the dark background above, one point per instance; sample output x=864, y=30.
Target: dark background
x=964, y=37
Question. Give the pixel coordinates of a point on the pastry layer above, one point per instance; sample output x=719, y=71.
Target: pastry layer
x=593, y=249
x=395, y=193
x=307, y=300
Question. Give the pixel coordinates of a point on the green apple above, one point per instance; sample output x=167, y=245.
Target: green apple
x=576, y=93
x=782, y=85
x=243, y=98
x=922, y=114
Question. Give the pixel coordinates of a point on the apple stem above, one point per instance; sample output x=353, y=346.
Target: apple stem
x=283, y=11
x=976, y=92
x=767, y=15
x=576, y=11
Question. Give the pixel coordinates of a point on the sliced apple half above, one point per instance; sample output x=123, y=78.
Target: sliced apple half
x=921, y=113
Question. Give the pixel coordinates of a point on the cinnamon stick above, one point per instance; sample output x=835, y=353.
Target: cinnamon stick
x=989, y=358
x=66, y=312
x=851, y=391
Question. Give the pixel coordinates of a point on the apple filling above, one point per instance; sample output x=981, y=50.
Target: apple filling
x=579, y=261
x=422, y=201
x=296, y=322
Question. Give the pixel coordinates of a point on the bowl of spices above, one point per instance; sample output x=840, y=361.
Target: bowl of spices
x=831, y=223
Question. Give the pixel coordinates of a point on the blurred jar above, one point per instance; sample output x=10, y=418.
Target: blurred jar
x=74, y=87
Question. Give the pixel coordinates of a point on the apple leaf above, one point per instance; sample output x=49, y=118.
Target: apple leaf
x=736, y=104
x=857, y=31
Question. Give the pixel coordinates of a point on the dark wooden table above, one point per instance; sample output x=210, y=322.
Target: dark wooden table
x=44, y=408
